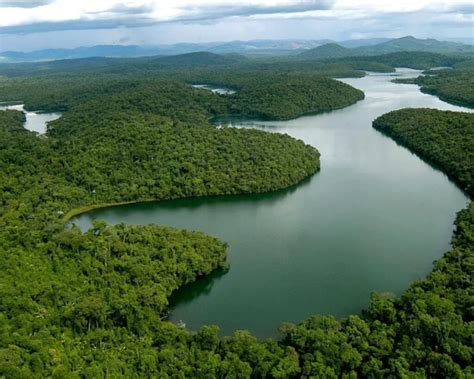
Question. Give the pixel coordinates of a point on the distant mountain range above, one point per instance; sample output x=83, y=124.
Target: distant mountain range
x=200, y=58
x=122, y=51
x=310, y=49
x=334, y=50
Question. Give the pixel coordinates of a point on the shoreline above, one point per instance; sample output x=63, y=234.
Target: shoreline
x=74, y=212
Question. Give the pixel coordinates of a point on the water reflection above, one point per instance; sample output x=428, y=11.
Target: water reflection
x=202, y=287
x=369, y=220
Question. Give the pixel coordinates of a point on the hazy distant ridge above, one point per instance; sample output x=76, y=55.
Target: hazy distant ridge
x=409, y=43
x=311, y=49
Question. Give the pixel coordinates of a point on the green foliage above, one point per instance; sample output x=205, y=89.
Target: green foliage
x=454, y=86
x=12, y=121
x=446, y=139
x=265, y=94
x=288, y=97
x=329, y=50
x=416, y=60
x=93, y=304
x=427, y=332
x=405, y=46
x=184, y=64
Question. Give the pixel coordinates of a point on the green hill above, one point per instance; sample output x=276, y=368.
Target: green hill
x=444, y=138
x=329, y=50
x=410, y=43
x=202, y=58
x=404, y=44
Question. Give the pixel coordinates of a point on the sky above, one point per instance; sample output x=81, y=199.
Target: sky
x=27, y=25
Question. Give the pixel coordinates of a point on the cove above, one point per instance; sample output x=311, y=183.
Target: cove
x=373, y=219
x=35, y=121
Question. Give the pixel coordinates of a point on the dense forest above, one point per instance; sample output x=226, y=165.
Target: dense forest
x=267, y=95
x=273, y=88
x=454, y=85
x=417, y=60
x=286, y=98
x=93, y=304
x=408, y=44
x=444, y=138
x=98, y=297
x=330, y=66
x=96, y=292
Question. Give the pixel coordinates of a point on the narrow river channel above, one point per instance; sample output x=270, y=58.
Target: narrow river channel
x=373, y=219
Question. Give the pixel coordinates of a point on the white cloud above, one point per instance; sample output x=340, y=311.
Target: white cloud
x=400, y=6
x=165, y=21
x=158, y=10
x=25, y=12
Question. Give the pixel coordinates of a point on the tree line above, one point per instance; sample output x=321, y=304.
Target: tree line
x=92, y=304
x=444, y=138
x=454, y=85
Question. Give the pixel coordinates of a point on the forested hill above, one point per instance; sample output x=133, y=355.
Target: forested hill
x=412, y=44
x=197, y=59
x=454, y=86
x=327, y=60
x=453, y=83
x=444, y=138
x=404, y=44
x=415, y=60
x=330, y=50
x=90, y=304
x=270, y=95
x=276, y=48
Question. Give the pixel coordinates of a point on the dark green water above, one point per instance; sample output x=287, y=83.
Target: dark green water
x=374, y=218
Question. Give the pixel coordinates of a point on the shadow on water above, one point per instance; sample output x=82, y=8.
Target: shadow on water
x=84, y=221
x=429, y=162
x=253, y=120
x=201, y=287
x=369, y=221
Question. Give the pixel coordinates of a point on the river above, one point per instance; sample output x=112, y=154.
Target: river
x=35, y=121
x=373, y=219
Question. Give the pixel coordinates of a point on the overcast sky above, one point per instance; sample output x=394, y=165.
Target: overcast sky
x=36, y=24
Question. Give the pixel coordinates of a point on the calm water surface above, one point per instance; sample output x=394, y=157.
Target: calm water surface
x=374, y=218
x=35, y=122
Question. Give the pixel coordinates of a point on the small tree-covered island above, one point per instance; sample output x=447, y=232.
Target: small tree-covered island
x=94, y=303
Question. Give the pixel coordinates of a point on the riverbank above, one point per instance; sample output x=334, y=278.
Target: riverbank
x=369, y=221
x=75, y=212
x=340, y=215
x=34, y=121
x=444, y=139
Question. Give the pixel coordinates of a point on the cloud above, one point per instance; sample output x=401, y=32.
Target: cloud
x=122, y=10
x=23, y=3
x=42, y=27
x=218, y=11
x=22, y=23
x=83, y=14
x=28, y=16
x=467, y=9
